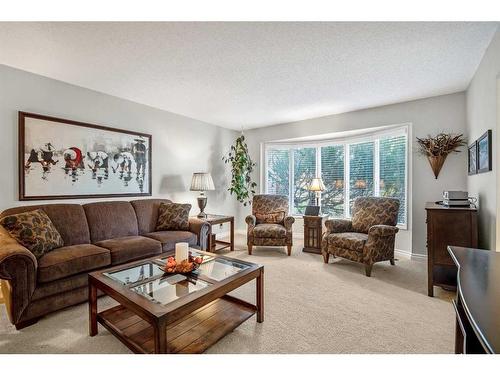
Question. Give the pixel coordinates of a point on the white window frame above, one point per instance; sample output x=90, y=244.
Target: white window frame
x=369, y=136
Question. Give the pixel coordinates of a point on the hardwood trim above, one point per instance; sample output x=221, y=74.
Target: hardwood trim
x=92, y=309
x=21, y=152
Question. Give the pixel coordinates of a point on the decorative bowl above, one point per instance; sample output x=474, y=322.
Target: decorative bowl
x=188, y=265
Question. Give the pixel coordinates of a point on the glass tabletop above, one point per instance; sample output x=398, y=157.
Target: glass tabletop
x=150, y=281
x=136, y=273
x=219, y=269
x=169, y=288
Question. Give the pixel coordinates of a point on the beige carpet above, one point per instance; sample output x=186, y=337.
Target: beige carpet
x=310, y=307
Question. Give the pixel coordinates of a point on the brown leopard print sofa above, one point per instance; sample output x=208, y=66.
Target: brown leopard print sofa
x=268, y=233
x=367, y=238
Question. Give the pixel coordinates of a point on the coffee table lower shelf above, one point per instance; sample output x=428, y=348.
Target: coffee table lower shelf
x=194, y=333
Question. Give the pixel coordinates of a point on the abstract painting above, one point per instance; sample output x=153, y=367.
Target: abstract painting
x=64, y=159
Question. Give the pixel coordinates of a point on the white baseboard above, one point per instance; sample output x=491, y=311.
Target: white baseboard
x=409, y=254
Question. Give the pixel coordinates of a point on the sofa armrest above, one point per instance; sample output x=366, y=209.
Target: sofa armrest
x=382, y=230
x=251, y=220
x=18, y=266
x=338, y=225
x=289, y=220
x=202, y=229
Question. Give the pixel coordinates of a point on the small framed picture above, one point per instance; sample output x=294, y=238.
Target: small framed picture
x=472, y=159
x=312, y=211
x=484, y=153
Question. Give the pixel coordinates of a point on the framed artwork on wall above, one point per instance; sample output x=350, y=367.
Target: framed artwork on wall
x=484, y=153
x=65, y=159
x=472, y=159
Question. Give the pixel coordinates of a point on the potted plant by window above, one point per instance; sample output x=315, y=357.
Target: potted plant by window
x=241, y=171
x=437, y=148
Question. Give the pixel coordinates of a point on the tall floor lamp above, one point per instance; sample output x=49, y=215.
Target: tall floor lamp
x=202, y=182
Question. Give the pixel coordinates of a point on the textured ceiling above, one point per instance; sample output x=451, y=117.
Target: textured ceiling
x=253, y=74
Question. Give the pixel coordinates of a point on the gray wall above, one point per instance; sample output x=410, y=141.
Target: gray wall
x=428, y=116
x=181, y=145
x=481, y=101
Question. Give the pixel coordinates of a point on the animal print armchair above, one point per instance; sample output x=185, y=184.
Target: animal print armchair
x=367, y=238
x=269, y=224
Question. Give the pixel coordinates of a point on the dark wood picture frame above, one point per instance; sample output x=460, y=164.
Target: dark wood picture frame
x=489, y=158
x=472, y=163
x=22, y=152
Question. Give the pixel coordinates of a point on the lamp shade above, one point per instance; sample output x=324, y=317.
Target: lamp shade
x=202, y=182
x=316, y=185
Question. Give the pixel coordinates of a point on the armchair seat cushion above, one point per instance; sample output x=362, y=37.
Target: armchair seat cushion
x=269, y=231
x=126, y=249
x=169, y=238
x=348, y=240
x=71, y=260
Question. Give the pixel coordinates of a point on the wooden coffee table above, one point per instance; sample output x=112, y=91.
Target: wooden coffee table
x=160, y=313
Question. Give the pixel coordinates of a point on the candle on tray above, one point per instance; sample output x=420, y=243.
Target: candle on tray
x=181, y=251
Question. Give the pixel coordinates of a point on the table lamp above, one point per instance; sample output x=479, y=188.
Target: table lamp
x=202, y=182
x=317, y=186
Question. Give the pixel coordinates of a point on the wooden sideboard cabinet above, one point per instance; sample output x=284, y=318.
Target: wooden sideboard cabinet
x=447, y=226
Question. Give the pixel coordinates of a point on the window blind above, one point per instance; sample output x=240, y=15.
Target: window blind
x=393, y=171
x=332, y=172
x=277, y=180
x=372, y=166
x=361, y=171
x=304, y=170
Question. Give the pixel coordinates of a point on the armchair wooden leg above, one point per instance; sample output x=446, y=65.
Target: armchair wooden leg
x=392, y=262
x=289, y=249
x=326, y=257
x=249, y=249
x=368, y=269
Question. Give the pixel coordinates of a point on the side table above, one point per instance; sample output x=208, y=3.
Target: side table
x=212, y=239
x=313, y=232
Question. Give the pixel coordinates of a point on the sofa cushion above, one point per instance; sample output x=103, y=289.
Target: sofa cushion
x=69, y=220
x=71, y=260
x=348, y=240
x=168, y=239
x=126, y=249
x=270, y=218
x=173, y=216
x=269, y=231
x=34, y=230
x=111, y=220
x=147, y=213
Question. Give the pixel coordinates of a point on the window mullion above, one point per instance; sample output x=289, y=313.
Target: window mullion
x=376, y=166
x=347, y=211
x=318, y=170
x=266, y=169
x=291, y=181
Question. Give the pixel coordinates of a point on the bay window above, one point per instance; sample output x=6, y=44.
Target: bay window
x=372, y=165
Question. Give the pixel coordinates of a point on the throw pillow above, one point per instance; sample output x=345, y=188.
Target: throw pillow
x=270, y=218
x=173, y=216
x=34, y=230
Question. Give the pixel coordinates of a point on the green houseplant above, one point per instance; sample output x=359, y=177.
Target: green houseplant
x=241, y=171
